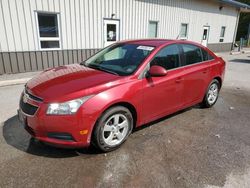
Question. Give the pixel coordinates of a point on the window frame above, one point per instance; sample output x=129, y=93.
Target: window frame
x=186, y=37
x=157, y=27
x=179, y=56
x=183, y=63
x=203, y=49
x=142, y=75
x=39, y=39
x=183, y=60
x=224, y=33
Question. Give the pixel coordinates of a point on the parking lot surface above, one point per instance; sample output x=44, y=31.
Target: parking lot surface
x=192, y=148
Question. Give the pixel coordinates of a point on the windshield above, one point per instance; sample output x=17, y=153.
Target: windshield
x=120, y=59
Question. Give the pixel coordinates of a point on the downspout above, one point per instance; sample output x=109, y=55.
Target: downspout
x=236, y=29
x=248, y=35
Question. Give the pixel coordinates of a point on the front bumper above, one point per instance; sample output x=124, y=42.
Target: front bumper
x=68, y=131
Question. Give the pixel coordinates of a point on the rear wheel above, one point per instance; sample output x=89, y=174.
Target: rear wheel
x=212, y=94
x=113, y=128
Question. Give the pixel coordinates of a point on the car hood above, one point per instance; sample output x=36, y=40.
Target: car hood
x=69, y=82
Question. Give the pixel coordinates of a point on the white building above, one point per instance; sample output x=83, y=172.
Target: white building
x=37, y=34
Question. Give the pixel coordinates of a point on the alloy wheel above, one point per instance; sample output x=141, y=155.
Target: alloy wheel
x=115, y=129
x=212, y=94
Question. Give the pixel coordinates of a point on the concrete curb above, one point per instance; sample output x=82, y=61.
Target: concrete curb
x=246, y=52
x=235, y=53
x=14, y=82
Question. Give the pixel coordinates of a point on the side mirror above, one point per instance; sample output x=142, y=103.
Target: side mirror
x=157, y=71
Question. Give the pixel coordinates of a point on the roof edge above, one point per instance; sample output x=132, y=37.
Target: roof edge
x=242, y=6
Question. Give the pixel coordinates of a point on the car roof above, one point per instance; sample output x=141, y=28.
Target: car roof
x=148, y=42
x=158, y=42
x=162, y=42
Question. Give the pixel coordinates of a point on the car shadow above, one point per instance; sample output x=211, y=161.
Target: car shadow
x=247, y=61
x=16, y=136
x=165, y=118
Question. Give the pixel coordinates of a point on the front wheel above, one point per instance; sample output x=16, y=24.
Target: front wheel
x=212, y=94
x=113, y=128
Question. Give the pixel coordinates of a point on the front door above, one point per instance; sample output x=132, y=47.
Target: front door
x=163, y=95
x=205, y=35
x=111, y=31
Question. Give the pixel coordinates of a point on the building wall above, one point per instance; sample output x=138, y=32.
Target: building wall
x=15, y=62
x=81, y=23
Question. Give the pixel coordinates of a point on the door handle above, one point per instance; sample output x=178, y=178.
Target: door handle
x=178, y=80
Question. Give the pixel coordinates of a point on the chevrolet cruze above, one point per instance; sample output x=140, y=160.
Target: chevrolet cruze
x=128, y=84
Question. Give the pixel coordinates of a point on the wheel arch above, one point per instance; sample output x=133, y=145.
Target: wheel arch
x=127, y=105
x=219, y=80
x=130, y=107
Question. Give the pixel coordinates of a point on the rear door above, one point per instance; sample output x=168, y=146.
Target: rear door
x=197, y=73
x=162, y=95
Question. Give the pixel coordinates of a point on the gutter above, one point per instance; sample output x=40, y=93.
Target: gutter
x=236, y=4
x=242, y=6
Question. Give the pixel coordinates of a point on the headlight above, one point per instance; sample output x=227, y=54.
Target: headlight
x=69, y=107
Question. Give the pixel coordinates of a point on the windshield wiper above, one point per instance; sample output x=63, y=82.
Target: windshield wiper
x=100, y=68
x=109, y=71
x=83, y=63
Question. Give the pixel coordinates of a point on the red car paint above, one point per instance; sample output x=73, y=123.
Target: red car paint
x=150, y=98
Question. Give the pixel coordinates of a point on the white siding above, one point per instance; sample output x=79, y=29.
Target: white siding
x=82, y=21
x=3, y=36
x=8, y=26
x=22, y=29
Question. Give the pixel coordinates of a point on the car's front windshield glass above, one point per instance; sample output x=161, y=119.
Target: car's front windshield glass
x=121, y=59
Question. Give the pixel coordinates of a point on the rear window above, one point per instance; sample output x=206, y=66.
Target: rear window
x=192, y=54
x=206, y=55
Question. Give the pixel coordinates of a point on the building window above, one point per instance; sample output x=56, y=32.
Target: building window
x=222, y=33
x=111, y=32
x=184, y=31
x=152, y=29
x=48, y=30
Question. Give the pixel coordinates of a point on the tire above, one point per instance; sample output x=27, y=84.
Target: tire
x=112, y=128
x=211, y=95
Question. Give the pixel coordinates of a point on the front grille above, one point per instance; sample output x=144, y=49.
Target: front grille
x=33, y=97
x=28, y=108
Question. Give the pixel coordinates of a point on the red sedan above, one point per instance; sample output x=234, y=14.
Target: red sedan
x=124, y=86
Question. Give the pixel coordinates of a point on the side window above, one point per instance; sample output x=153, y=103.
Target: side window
x=168, y=57
x=192, y=54
x=206, y=55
